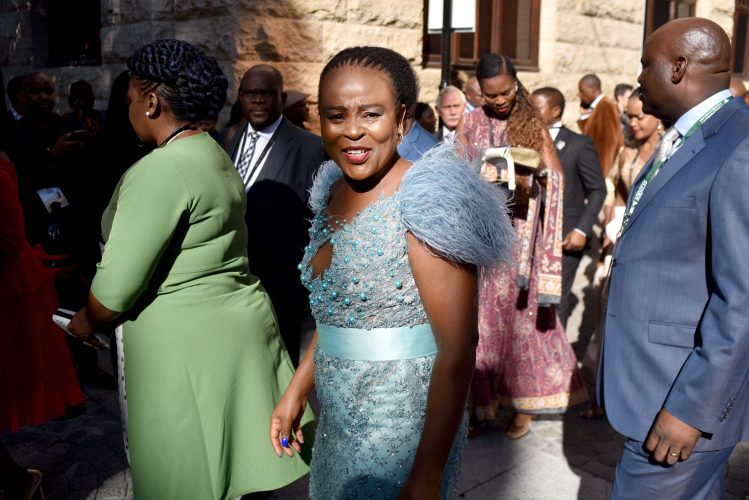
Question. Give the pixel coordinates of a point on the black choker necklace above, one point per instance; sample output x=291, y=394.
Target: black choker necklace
x=175, y=133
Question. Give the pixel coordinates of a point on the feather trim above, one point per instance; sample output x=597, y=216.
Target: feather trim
x=328, y=173
x=447, y=206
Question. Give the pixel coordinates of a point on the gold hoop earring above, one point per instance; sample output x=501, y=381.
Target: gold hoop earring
x=400, y=134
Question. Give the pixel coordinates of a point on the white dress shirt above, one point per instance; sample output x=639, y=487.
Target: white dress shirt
x=592, y=107
x=258, y=161
x=688, y=119
x=554, y=130
x=447, y=134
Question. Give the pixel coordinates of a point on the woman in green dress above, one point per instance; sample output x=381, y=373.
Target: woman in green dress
x=204, y=362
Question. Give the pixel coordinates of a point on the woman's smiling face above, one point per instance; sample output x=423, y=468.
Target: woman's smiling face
x=360, y=121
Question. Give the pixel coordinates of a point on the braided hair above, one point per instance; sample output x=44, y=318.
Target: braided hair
x=397, y=67
x=524, y=126
x=190, y=83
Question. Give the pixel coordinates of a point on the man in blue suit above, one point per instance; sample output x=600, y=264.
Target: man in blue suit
x=416, y=142
x=675, y=366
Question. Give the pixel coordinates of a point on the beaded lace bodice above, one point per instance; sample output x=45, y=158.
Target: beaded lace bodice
x=369, y=282
x=372, y=412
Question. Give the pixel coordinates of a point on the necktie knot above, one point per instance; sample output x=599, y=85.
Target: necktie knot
x=666, y=145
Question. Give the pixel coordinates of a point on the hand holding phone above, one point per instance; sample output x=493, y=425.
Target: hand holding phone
x=62, y=318
x=78, y=135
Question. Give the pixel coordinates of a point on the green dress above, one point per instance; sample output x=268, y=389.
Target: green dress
x=205, y=364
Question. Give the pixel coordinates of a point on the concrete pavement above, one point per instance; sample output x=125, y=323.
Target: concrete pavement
x=563, y=457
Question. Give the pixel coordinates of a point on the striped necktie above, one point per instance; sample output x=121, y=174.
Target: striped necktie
x=243, y=165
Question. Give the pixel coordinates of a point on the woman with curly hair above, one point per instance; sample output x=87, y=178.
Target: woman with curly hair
x=523, y=359
x=204, y=364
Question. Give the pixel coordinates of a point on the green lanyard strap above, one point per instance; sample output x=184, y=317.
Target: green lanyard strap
x=656, y=166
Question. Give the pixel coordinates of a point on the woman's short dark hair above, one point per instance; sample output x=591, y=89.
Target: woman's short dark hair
x=190, y=83
x=397, y=67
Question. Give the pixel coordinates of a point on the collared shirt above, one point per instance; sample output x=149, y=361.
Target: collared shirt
x=264, y=137
x=688, y=119
x=592, y=107
x=554, y=129
x=447, y=134
x=596, y=101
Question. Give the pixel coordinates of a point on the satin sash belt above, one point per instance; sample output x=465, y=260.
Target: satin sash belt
x=378, y=344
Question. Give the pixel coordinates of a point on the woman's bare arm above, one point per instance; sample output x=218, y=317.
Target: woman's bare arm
x=450, y=296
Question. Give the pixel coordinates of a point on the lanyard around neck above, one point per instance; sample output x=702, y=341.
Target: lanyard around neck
x=658, y=163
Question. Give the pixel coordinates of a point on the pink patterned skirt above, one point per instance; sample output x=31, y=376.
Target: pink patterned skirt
x=523, y=360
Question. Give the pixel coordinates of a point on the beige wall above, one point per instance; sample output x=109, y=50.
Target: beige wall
x=299, y=36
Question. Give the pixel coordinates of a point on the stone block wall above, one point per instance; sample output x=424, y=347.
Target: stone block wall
x=299, y=36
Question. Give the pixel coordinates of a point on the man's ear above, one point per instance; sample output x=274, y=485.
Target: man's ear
x=679, y=69
x=557, y=112
x=283, y=99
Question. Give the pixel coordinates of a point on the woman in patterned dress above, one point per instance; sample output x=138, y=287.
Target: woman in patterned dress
x=523, y=359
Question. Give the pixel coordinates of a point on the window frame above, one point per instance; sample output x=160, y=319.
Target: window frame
x=741, y=9
x=434, y=60
x=672, y=8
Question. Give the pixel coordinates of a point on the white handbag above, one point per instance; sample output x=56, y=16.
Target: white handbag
x=526, y=157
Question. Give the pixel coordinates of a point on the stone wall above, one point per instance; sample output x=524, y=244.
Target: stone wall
x=299, y=36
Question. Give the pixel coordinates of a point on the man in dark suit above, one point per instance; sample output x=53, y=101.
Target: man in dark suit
x=276, y=160
x=451, y=105
x=674, y=375
x=583, y=182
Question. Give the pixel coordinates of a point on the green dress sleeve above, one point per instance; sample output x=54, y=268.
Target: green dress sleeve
x=151, y=201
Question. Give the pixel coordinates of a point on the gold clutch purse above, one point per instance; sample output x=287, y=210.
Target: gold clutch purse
x=526, y=157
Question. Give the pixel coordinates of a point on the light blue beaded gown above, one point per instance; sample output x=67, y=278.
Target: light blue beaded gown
x=372, y=372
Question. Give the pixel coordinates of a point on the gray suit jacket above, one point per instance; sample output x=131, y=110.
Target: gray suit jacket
x=677, y=320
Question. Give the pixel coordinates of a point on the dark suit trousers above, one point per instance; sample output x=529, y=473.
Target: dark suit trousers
x=701, y=477
x=570, y=263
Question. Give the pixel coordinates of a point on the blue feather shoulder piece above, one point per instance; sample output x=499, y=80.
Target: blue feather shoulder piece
x=328, y=173
x=447, y=206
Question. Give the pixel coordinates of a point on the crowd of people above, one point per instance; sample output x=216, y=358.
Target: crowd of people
x=434, y=247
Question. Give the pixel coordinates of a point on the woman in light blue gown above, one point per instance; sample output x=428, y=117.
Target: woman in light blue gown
x=391, y=272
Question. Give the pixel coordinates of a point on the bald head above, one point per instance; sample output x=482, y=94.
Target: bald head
x=589, y=88
x=684, y=62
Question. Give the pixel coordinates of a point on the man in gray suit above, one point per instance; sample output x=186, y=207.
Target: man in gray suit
x=276, y=160
x=675, y=371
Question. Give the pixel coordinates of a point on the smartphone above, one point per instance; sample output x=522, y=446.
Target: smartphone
x=62, y=318
x=78, y=135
